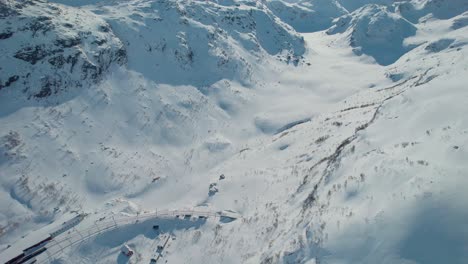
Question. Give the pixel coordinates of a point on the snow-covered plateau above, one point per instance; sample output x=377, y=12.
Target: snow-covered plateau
x=234, y=131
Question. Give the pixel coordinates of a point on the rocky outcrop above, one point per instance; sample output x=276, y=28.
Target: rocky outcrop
x=47, y=48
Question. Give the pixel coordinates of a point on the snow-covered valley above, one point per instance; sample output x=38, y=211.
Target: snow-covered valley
x=335, y=131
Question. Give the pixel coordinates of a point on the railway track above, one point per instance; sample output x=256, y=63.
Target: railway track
x=77, y=235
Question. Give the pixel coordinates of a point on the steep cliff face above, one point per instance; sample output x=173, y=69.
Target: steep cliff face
x=48, y=48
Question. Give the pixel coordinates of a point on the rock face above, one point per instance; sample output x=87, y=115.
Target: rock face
x=46, y=48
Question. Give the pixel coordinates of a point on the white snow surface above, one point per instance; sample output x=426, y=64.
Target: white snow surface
x=345, y=143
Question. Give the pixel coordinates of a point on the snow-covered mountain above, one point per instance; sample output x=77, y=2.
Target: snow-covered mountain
x=376, y=31
x=344, y=143
x=179, y=68
x=47, y=48
x=202, y=41
x=308, y=15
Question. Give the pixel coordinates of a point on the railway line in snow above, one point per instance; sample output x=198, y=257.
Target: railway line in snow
x=64, y=238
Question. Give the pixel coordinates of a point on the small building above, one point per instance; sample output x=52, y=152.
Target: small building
x=126, y=250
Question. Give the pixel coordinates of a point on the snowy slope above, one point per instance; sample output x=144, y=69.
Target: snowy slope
x=308, y=15
x=376, y=31
x=345, y=145
x=376, y=181
x=46, y=47
x=123, y=130
x=441, y=9
x=202, y=41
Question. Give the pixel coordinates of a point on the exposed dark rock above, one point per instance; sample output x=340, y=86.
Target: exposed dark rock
x=45, y=52
x=6, y=35
x=89, y=70
x=32, y=54
x=121, y=56
x=100, y=42
x=10, y=80
x=213, y=189
x=72, y=60
x=68, y=25
x=104, y=28
x=68, y=42
x=6, y=10
x=41, y=24
x=57, y=61
x=45, y=91
x=48, y=84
